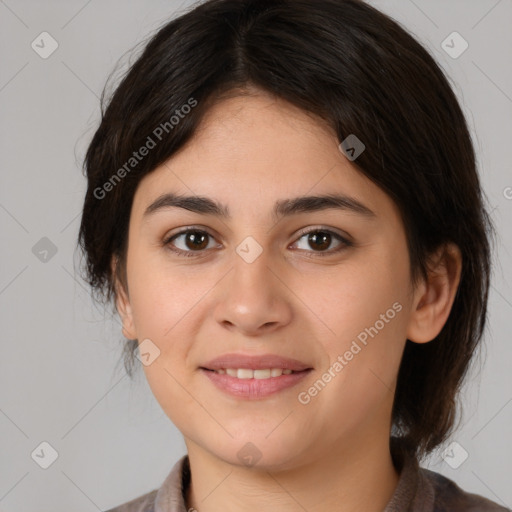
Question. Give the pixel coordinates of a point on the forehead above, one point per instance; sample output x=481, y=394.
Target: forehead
x=252, y=150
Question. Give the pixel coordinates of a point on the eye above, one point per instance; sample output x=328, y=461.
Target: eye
x=320, y=240
x=194, y=242
x=190, y=241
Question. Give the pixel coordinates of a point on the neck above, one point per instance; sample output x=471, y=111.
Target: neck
x=355, y=476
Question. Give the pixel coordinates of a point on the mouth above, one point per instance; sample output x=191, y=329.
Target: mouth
x=266, y=362
x=249, y=373
x=254, y=377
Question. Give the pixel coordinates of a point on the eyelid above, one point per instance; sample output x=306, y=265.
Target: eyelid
x=344, y=239
x=183, y=231
x=311, y=229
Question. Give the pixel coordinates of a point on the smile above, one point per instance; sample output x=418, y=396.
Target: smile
x=247, y=373
x=248, y=384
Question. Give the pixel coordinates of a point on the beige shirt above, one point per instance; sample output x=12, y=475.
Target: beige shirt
x=418, y=490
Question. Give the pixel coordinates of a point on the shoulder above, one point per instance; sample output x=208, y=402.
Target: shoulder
x=144, y=503
x=168, y=497
x=449, y=497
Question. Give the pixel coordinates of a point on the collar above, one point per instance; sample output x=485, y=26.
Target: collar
x=414, y=491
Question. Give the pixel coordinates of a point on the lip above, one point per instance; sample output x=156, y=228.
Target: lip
x=254, y=389
x=260, y=362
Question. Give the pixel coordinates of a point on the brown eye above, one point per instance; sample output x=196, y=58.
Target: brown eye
x=188, y=242
x=196, y=240
x=320, y=240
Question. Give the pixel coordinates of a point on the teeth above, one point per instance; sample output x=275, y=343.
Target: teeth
x=262, y=374
x=247, y=373
x=243, y=373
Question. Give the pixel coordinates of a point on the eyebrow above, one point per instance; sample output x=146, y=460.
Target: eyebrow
x=284, y=207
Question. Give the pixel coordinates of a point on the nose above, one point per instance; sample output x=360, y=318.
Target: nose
x=253, y=300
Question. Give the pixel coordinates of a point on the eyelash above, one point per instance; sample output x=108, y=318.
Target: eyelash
x=180, y=252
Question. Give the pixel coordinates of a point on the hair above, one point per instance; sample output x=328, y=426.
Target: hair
x=356, y=69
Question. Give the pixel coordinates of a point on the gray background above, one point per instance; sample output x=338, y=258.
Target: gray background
x=59, y=381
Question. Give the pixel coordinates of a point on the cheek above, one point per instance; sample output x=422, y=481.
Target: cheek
x=161, y=298
x=353, y=297
x=364, y=304
x=164, y=314
x=165, y=305
x=170, y=388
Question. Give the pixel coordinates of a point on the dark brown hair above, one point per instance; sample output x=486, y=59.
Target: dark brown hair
x=356, y=69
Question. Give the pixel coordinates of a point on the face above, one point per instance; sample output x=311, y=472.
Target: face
x=312, y=287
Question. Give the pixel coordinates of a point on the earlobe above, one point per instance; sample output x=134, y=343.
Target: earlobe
x=123, y=306
x=434, y=298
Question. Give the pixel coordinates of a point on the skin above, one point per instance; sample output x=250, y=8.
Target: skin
x=251, y=151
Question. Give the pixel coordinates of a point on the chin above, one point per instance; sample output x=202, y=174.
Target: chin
x=260, y=453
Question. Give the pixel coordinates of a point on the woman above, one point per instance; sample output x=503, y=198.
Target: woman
x=295, y=239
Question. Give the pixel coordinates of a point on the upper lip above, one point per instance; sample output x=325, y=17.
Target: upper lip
x=260, y=362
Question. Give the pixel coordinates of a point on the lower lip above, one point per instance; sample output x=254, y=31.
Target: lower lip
x=253, y=389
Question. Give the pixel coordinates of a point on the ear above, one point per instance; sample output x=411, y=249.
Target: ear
x=433, y=298
x=123, y=306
